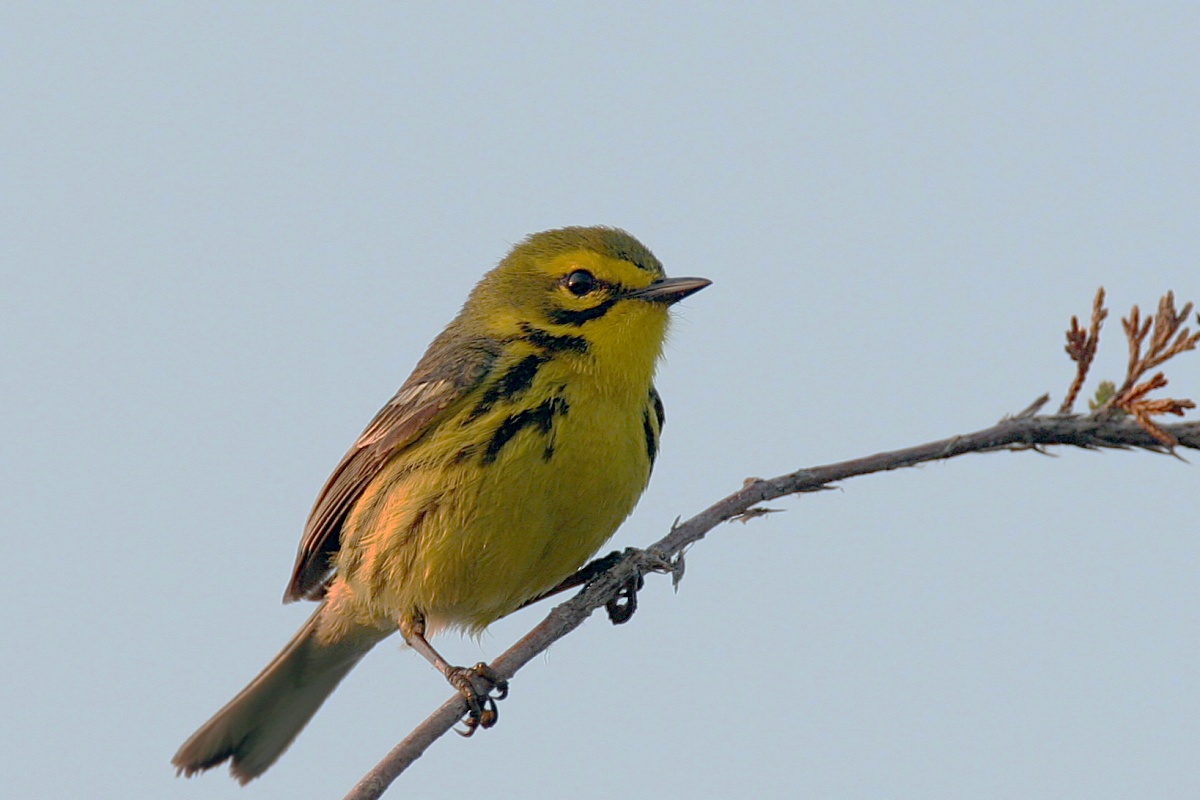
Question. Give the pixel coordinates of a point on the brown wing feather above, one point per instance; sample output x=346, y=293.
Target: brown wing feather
x=449, y=370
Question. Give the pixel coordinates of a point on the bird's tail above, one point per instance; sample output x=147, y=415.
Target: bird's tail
x=255, y=727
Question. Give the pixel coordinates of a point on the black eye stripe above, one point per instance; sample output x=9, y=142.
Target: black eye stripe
x=563, y=316
x=553, y=343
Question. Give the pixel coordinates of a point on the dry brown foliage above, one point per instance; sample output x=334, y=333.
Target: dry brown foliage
x=1167, y=338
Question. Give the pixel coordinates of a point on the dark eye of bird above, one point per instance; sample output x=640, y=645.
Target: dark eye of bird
x=580, y=282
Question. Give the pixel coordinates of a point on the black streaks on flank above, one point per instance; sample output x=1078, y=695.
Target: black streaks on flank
x=509, y=385
x=564, y=316
x=660, y=413
x=553, y=343
x=651, y=437
x=517, y=379
x=653, y=430
x=521, y=375
x=540, y=417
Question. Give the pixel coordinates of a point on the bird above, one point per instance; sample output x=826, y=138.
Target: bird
x=523, y=438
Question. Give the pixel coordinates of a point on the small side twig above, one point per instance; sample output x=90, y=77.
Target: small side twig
x=1081, y=347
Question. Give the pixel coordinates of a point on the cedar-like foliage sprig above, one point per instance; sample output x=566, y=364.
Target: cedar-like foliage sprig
x=1081, y=347
x=1167, y=339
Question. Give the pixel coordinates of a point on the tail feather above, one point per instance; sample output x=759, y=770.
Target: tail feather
x=257, y=725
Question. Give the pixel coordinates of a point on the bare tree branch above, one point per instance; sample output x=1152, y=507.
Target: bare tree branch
x=1109, y=426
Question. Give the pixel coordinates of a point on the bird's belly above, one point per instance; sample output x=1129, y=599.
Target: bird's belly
x=467, y=543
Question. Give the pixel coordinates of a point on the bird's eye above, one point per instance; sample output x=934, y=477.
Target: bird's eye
x=580, y=282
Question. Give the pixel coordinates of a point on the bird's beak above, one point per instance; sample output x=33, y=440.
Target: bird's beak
x=669, y=290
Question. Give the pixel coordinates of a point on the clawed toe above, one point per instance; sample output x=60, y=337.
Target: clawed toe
x=477, y=684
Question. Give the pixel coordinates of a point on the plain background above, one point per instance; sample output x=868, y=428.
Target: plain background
x=228, y=231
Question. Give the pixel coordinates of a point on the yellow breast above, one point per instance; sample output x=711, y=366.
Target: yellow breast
x=467, y=538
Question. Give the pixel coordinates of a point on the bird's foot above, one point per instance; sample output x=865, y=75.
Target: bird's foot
x=477, y=684
x=620, y=609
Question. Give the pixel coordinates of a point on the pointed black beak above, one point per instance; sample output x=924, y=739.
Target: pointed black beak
x=670, y=290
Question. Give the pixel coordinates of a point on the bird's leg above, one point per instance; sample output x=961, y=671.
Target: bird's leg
x=475, y=683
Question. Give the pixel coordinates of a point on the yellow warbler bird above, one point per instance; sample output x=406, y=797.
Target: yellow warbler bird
x=523, y=438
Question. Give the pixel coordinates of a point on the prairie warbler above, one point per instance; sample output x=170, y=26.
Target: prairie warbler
x=523, y=438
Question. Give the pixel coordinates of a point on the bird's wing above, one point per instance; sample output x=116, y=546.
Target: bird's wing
x=445, y=375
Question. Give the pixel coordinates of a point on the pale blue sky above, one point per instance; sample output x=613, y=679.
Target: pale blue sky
x=229, y=231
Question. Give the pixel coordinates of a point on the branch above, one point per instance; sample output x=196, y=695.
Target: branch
x=1105, y=427
x=1017, y=433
